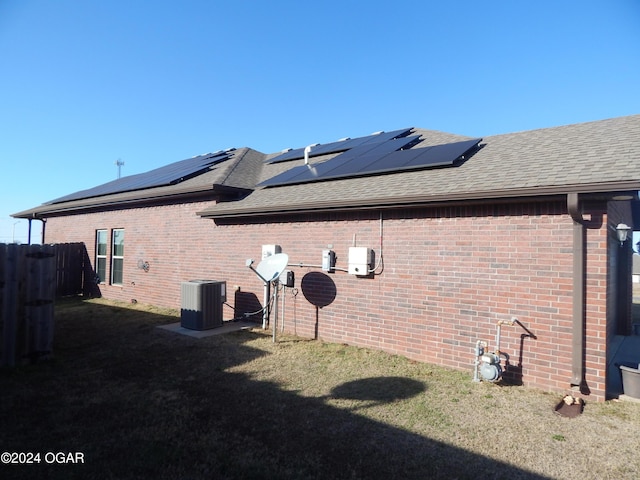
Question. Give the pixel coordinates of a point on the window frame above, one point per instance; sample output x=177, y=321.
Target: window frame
x=117, y=257
x=101, y=255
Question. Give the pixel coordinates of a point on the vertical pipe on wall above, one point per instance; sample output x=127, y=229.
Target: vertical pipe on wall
x=267, y=305
x=577, y=350
x=44, y=224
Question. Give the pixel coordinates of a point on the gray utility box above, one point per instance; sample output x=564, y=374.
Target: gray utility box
x=202, y=302
x=630, y=380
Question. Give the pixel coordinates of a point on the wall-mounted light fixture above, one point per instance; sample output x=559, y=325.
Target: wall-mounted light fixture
x=621, y=197
x=622, y=230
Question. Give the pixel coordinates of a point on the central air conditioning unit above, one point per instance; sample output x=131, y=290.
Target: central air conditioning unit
x=202, y=301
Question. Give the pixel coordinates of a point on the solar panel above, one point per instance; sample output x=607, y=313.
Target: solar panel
x=379, y=148
x=294, y=154
x=429, y=157
x=306, y=173
x=339, y=146
x=375, y=161
x=168, y=175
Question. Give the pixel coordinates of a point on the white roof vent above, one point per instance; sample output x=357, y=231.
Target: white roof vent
x=307, y=151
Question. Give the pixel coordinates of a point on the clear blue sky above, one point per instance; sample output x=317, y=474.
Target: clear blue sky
x=84, y=83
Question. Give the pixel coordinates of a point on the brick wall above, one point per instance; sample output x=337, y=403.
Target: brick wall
x=447, y=276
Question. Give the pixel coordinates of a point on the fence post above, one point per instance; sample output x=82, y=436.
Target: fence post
x=39, y=299
x=27, y=294
x=9, y=295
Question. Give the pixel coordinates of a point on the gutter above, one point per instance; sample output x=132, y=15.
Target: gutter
x=130, y=199
x=265, y=209
x=578, y=334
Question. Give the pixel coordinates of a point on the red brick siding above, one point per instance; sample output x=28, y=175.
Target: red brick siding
x=448, y=276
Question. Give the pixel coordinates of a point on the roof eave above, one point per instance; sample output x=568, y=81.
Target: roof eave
x=210, y=192
x=423, y=200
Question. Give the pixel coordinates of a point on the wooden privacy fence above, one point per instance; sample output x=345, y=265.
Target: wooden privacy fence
x=72, y=263
x=31, y=276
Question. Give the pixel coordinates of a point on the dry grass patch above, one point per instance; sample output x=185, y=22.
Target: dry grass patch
x=141, y=402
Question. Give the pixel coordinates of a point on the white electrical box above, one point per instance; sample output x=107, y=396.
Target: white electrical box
x=360, y=260
x=328, y=260
x=287, y=278
x=268, y=250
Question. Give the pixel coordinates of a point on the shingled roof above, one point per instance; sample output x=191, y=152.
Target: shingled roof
x=233, y=177
x=601, y=156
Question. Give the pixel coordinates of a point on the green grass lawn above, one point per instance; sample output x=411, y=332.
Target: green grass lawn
x=140, y=402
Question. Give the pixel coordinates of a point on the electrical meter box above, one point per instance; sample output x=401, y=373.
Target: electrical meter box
x=268, y=250
x=360, y=260
x=287, y=278
x=328, y=260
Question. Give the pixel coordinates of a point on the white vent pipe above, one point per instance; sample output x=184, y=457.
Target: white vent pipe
x=307, y=150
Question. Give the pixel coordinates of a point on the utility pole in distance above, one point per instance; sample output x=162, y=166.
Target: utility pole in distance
x=119, y=163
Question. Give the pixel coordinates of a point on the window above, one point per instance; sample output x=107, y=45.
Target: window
x=101, y=255
x=117, y=256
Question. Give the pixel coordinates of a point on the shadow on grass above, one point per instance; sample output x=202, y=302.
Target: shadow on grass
x=140, y=402
x=379, y=389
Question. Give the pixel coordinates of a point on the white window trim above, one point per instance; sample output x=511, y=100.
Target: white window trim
x=99, y=256
x=116, y=257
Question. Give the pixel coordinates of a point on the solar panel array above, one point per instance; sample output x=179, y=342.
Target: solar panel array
x=374, y=154
x=168, y=175
x=340, y=145
x=385, y=157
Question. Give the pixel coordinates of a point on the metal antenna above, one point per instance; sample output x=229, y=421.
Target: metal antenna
x=119, y=163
